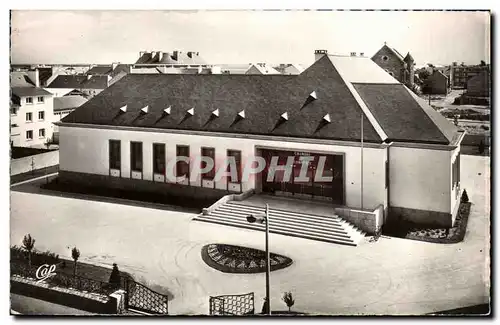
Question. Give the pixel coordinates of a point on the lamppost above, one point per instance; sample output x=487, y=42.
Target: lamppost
x=264, y=218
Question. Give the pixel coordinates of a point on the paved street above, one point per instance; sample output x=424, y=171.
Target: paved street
x=391, y=276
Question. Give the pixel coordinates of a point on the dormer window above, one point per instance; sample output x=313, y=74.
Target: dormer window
x=385, y=58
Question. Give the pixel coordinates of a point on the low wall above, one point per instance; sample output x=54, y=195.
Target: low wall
x=64, y=296
x=369, y=221
x=27, y=164
x=423, y=217
x=227, y=198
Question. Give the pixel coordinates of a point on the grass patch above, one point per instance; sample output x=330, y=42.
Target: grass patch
x=409, y=230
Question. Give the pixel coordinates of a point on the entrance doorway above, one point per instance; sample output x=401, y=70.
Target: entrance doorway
x=325, y=183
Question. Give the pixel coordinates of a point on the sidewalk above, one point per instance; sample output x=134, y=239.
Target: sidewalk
x=36, y=173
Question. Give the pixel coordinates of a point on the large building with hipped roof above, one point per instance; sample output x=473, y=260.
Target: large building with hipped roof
x=386, y=150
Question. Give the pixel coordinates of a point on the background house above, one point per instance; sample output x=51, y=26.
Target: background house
x=401, y=68
x=479, y=85
x=436, y=83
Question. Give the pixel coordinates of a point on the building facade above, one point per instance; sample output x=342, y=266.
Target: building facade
x=31, y=117
x=405, y=162
x=436, y=84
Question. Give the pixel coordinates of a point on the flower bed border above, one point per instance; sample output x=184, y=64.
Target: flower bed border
x=227, y=269
x=458, y=236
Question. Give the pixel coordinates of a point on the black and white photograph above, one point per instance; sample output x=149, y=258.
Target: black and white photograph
x=266, y=163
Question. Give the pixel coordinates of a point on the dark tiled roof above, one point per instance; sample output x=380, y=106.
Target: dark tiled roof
x=264, y=99
x=20, y=79
x=177, y=57
x=96, y=82
x=399, y=114
x=102, y=69
x=68, y=102
x=29, y=91
x=67, y=81
x=79, y=82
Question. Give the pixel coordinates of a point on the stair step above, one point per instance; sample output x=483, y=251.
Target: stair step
x=273, y=216
x=286, y=222
x=277, y=231
x=284, y=212
x=291, y=227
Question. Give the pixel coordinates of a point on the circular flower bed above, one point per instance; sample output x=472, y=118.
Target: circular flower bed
x=237, y=259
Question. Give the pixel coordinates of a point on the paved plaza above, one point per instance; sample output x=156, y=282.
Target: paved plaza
x=162, y=248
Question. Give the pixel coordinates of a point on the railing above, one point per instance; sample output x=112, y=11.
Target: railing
x=65, y=280
x=141, y=298
x=236, y=305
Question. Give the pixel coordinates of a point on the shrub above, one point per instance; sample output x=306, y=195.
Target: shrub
x=115, y=278
x=465, y=197
x=288, y=299
x=19, y=254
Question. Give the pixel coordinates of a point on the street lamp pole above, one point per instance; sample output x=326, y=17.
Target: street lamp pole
x=264, y=218
x=268, y=263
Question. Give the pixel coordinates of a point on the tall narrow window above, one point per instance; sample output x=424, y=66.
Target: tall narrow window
x=237, y=158
x=114, y=154
x=159, y=158
x=29, y=135
x=136, y=156
x=210, y=154
x=41, y=115
x=182, y=167
x=29, y=100
x=41, y=133
x=40, y=99
x=29, y=117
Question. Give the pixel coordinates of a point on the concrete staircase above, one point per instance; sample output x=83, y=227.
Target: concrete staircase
x=290, y=223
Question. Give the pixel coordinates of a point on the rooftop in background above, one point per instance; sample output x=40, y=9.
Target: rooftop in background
x=176, y=57
x=68, y=102
x=80, y=82
x=320, y=103
x=20, y=79
x=29, y=91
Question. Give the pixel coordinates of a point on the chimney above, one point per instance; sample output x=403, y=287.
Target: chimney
x=160, y=56
x=34, y=76
x=141, y=53
x=319, y=53
x=353, y=53
x=114, y=65
x=153, y=53
x=362, y=54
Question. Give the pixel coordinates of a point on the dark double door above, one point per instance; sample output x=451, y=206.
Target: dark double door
x=310, y=187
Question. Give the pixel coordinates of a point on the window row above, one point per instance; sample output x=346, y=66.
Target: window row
x=40, y=99
x=29, y=134
x=29, y=116
x=182, y=166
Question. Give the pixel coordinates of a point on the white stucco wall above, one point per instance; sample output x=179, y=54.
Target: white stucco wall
x=420, y=179
x=85, y=150
x=18, y=133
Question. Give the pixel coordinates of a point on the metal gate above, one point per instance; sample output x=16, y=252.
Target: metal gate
x=233, y=305
x=141, y=298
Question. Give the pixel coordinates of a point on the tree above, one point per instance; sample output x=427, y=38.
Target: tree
x=483, y=63
x=75, y=254
x=115, y=278
x=28, y=245
x=288, y=299
x=481, y=147
x=465, y=197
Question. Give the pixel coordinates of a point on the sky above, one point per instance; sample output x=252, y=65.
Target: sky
x=242, y=37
